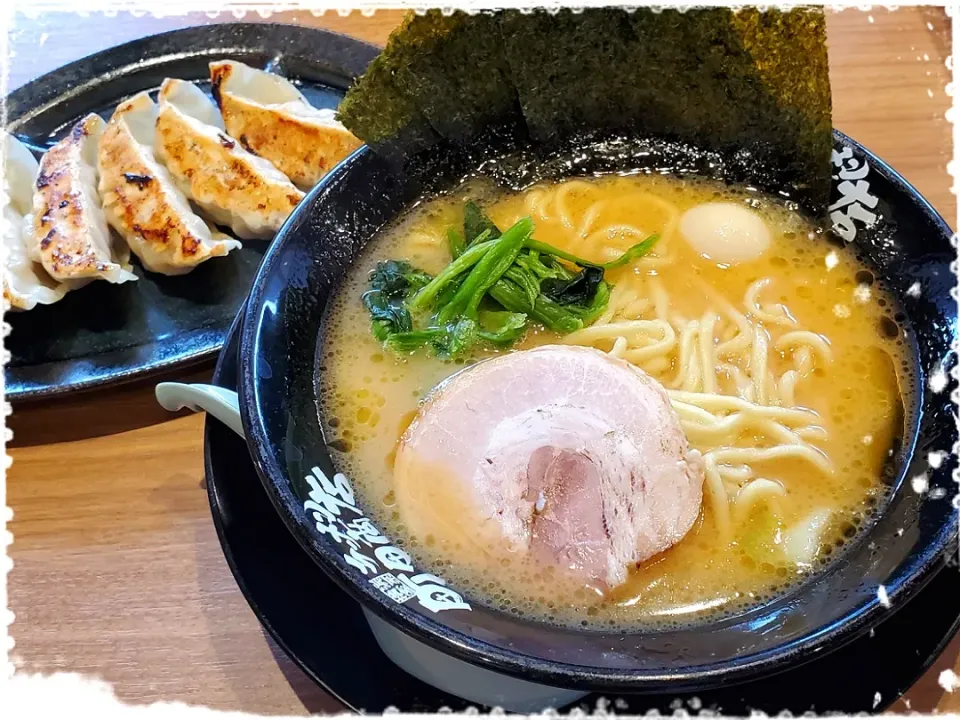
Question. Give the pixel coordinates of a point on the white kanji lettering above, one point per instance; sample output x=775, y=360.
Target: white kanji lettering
x=426, y=577
x=437, y=597
x=361, y=562
x=319, y=497
x=433, y=594
x=332, y=527
x=851, y=193
x=339, y=487
x=853, y=171
x=393, y=558
x=852, y=167
x=838, y=158
x=843, y=221
x=364, y=530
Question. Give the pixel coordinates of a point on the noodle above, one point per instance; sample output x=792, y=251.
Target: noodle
x=756, y=492
x=753, y=305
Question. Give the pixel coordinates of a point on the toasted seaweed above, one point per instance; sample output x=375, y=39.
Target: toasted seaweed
x=377, y=111
x=789, y=54
x=725, y=80
x=752, y=85
x=453, y=69
x=567, y=68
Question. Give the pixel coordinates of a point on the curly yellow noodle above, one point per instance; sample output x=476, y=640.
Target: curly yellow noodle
x=718, y=500
x=751, y=301
x=758, y=364
x=708, y=362
x=756, y=455
x=816, y=343
x=561, y=195
x=756, y=492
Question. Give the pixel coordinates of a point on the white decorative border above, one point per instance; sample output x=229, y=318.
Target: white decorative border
x=64, y=694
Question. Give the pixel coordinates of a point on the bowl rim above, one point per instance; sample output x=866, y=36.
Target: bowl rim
x=537, y=669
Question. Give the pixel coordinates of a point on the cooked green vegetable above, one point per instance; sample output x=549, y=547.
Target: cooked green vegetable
x=476, y=223
x=495, y=262
x=494, y=285
x=407, y=342
x=456, y=243
x=579, y=289
x=502, y=327
x=533, y=263
x=391, y=283
x=429, y=292
x=641, y=248
x=527, y=281
x=553, y=316
x=596, y=307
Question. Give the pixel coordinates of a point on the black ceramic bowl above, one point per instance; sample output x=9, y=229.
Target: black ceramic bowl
x=909, y=249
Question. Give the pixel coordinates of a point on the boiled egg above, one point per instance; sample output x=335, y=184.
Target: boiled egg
x=724, y=232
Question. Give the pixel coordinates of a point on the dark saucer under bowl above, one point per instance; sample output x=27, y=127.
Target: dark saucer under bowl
x=323, y=630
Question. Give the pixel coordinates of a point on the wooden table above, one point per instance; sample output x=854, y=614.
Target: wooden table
x=117, y=570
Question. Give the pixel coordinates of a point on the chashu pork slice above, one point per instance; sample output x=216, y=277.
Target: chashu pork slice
x=560, y=453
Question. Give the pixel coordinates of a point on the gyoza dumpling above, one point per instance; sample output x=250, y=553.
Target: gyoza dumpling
x=141, y=201
x=25, y=282
x=235, y=187
x=69, y=233
x=273, y=119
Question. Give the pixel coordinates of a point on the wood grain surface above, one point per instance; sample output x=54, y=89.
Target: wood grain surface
x=117, y=570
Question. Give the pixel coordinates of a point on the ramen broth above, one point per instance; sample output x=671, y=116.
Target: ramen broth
x=727, y=561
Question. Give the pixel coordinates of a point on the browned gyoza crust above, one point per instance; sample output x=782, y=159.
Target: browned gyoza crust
x=228, y=184
x=69, y=234
x=143, y=206
x=301, y=148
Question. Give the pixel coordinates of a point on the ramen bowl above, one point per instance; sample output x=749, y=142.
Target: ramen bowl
x=440, y=633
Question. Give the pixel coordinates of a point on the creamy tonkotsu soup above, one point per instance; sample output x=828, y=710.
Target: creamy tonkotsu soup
x=777, y=349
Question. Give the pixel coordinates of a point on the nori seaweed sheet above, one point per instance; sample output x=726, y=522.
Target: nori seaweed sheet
x=453, y=69
x=378, y=112
x=567, y=68
x=752, y=85
x=729, y=81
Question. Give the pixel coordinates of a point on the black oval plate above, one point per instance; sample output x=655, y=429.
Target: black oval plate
x=324, y=632
x=105, y=334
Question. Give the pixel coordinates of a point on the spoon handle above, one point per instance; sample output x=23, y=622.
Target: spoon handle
x=216, y=401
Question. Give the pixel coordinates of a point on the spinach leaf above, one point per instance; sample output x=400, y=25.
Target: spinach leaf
x=578, y=290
